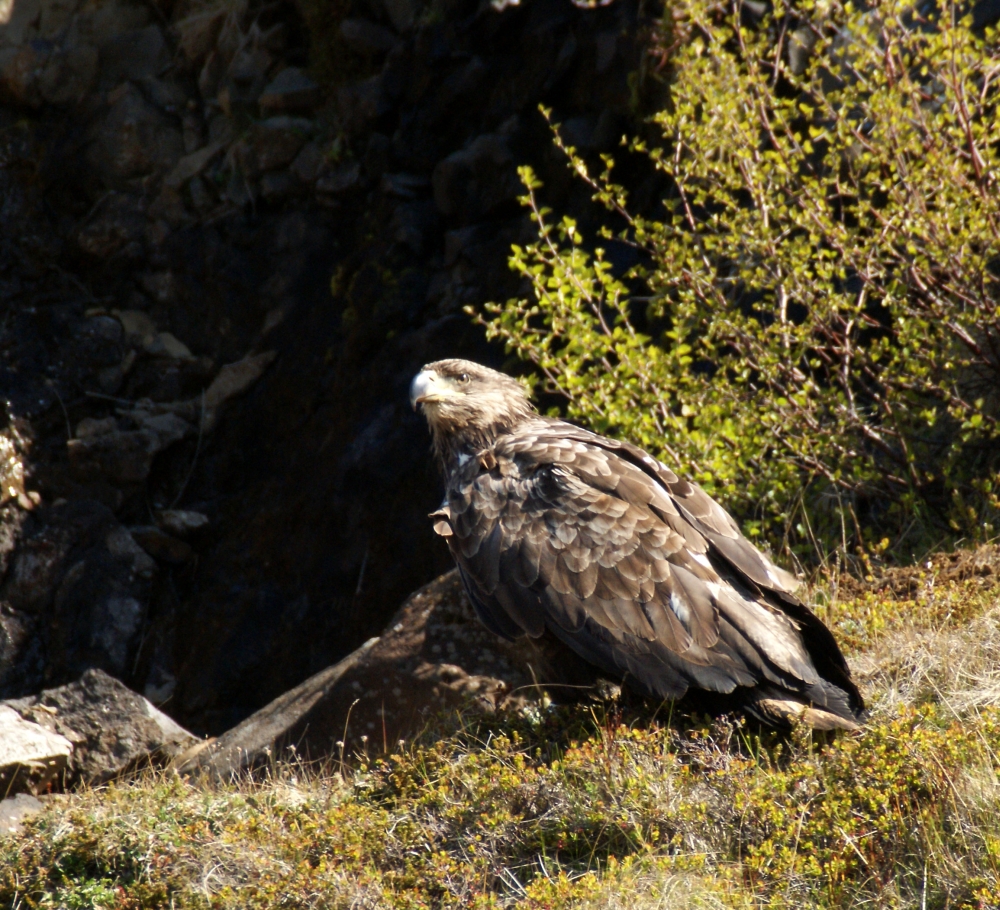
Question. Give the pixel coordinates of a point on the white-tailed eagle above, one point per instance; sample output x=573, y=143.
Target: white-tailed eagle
x=562, y=533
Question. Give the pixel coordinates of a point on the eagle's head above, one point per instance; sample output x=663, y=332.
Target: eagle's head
x=467, y=405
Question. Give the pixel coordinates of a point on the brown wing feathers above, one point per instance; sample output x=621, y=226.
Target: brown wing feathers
x=618, y=559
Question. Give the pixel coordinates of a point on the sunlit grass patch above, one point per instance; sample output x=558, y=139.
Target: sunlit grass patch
x=900, y=815
x=613, y=804
x=946, y=591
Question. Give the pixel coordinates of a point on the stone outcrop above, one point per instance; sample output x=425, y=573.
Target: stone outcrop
x=88, y=731
x=31, y=757
x=434, y=657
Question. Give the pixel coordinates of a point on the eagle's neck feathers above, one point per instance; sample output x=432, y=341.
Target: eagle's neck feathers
x=457, y=440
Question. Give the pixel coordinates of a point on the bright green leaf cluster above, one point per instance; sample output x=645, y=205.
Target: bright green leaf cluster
x=818, y=343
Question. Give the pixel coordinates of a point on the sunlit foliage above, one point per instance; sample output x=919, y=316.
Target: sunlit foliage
x=813, y=331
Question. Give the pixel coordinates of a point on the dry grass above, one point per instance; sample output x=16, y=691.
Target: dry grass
x=956, y=668
x=927, y=634
x=594, y=806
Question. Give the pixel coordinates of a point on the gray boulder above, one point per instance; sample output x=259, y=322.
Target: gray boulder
x=309, y=163
x=292, y=91
x=181, y=522
x=15, y=809
x=103, y=728
x=134, y=55
x=36, y=74
x=272, y=143
x=30, y=755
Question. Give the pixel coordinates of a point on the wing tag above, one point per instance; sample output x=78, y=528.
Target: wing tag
x=442, y=527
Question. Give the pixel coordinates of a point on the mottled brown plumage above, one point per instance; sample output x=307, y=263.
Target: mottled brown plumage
x=560, y=532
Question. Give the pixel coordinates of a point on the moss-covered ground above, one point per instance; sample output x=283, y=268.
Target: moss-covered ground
x=600, y=805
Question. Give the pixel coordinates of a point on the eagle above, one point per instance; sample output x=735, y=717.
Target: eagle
x=596, y=546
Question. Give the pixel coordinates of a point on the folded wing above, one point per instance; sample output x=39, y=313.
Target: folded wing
x=636, y=570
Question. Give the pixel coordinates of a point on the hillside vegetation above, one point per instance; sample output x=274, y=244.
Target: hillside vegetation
x=603, y=804
x=811, y=326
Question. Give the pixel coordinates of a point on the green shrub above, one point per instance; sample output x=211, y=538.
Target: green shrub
x=818, y=340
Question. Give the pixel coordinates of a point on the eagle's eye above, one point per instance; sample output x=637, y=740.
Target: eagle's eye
x=463, y=378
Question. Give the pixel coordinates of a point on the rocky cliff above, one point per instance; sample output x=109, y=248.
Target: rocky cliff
x=229, y=235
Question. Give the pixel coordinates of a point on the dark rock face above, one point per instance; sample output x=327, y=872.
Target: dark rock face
x=217, y=278
x=477, y=180
x=76, y=595
x=134, y=139
x=40, y=74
